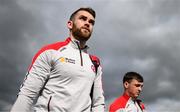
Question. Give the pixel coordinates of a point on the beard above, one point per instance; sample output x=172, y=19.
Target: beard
x=79, y=34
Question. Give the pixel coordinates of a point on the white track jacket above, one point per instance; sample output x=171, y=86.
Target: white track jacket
x=125, y=104
x=60, y=78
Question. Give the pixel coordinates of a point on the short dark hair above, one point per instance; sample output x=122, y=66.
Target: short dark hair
x=132, y=75
x=88, y=9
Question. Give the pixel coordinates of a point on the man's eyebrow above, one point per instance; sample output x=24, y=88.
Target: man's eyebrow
x=139, y=84
x=82, y=16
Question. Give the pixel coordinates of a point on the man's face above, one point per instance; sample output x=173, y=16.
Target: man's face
x=133, y=88
x=82, y=25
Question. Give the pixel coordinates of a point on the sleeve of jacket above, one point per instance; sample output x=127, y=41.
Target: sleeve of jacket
x=98, y=100
x=34, y=81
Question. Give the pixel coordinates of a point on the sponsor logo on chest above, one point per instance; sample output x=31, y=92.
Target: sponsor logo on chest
x=67, y=60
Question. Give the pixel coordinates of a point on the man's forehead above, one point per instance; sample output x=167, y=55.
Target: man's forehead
x=136, y=81
x=85, y=13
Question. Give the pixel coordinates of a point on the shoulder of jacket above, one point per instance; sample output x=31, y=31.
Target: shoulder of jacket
x=56, y=45
x=95, y=58
x=53, y=46
x=119, y=103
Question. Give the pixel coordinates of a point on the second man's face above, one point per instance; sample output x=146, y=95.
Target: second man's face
x=82, y=25
x=134, y=88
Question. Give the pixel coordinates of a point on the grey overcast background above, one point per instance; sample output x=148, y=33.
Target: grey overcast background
x=129, y=35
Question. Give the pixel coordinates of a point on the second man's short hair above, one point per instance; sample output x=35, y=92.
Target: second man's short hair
x=132, y=75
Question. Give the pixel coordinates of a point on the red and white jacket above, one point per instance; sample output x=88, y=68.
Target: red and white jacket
x=61, y=77
x=125, y=104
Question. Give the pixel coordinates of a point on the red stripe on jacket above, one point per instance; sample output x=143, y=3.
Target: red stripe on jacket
x=54, y=46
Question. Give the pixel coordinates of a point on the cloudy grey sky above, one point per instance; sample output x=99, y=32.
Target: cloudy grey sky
x=129, y=35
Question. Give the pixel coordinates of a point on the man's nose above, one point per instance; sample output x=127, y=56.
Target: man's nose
x=87, y=24
x=140, y=88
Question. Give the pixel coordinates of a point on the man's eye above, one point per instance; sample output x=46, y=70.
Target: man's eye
x=92, y=22
x=137, y=85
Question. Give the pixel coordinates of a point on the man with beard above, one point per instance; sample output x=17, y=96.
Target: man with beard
x=63, y=76
x=128, y=102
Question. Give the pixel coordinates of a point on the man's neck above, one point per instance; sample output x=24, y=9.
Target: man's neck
x=133, y=98
x=82, y=44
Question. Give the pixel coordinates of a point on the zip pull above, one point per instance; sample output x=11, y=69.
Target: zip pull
x=80, y=52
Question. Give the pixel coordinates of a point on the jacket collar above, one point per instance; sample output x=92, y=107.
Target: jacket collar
x=127, y=98
x=75, y=44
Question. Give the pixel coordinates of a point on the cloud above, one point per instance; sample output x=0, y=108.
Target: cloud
x=164, y=105
x=5, y=106
x=129, y=35
x=15, y=26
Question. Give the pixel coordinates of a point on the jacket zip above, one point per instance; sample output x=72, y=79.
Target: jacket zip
x=80, y=52
x=49, y=103
x=136, y=106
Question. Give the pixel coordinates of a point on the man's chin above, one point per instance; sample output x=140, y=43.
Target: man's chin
x=85, y=37
x=135, y=96
x=82, y=36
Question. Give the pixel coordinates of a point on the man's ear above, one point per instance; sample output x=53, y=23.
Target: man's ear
x=126, y=84
x=70, y=24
